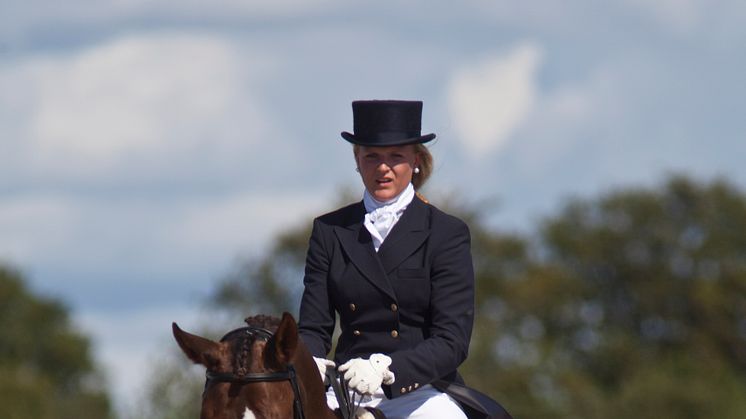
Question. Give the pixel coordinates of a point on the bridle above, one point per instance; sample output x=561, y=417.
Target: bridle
x=258, y=333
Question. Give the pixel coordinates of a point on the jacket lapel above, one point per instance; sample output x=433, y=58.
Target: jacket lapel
x=358, y=245
x=408, y=234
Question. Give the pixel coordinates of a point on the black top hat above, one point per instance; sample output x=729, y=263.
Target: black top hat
x=382, y=123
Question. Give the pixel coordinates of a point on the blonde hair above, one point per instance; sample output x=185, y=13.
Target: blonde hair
x=425, y=166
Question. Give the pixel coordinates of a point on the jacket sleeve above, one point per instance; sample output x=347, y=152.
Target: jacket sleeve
x=316, y=319
x=451, y=315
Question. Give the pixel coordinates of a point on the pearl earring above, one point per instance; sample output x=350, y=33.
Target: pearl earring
x=416, y=170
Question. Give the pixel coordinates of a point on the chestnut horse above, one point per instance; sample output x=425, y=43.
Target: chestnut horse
x=263, y=371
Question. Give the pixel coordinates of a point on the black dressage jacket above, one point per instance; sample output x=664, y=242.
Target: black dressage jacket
x=413, y=300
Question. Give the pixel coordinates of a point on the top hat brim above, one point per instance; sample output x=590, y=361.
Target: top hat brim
x=382, y=140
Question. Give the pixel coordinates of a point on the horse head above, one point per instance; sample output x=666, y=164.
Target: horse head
x=262, y=371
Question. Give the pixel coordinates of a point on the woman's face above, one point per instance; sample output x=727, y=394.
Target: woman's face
x=386, y=171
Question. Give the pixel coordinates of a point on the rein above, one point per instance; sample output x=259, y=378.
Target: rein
x=260, y=377
x=342, y=393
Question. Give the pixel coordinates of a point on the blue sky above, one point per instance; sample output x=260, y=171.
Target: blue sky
x=146, y=147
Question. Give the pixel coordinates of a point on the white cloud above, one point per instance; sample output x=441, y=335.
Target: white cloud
x=490, y=98
x=172, y=237
x=128, y=100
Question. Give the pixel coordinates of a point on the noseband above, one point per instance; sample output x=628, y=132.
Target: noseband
x=258, y=333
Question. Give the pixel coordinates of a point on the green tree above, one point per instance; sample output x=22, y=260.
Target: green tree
x=46, y=369
x=630, y=305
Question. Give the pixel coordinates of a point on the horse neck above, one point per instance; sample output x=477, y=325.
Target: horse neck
x=314, y=402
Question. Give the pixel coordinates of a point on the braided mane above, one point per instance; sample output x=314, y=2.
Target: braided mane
x=242, y=359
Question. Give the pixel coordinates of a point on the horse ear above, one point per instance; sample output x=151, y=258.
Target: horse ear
x=198, y=349
x=281, y=348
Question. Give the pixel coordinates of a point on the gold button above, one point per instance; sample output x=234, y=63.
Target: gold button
x=394, y=307
x=394, y=333
x=416, y=385
x=403, y=390
x=356, y=332
x=410, y=388
x=353, y=307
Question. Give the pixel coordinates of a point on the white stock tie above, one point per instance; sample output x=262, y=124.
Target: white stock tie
x=382, y=216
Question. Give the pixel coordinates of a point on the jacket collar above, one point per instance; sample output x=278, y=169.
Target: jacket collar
x=406, y=236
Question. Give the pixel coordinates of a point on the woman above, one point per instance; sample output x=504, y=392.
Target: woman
x=397, y=270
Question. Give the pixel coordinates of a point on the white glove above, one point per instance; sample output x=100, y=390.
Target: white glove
x=366, y=375
x=322, y=364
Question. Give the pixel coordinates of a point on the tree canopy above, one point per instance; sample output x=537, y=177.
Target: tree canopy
x=46, y=369
x=632, y=304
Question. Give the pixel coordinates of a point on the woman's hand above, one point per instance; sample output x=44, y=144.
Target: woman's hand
x=365, y=376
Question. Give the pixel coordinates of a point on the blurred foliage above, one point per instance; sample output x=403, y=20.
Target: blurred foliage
x=629, y=305
x=46, y=369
